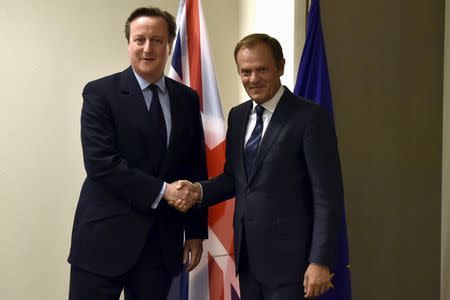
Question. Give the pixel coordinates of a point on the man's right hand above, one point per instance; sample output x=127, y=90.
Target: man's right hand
x=317, y=280
x=182, y=194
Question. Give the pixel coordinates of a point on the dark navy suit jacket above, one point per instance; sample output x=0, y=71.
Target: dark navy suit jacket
x=114, y=214
x=291, y=202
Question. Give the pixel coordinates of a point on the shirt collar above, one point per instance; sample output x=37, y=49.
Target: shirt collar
x=271, y=104
x=161, y=83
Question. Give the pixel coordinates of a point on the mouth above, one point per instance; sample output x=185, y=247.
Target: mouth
x=148, y=59
x=256, y=88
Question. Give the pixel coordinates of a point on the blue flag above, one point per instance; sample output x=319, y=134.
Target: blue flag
x=313, y=83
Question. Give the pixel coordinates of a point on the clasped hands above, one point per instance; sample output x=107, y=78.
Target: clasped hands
x=182, y=194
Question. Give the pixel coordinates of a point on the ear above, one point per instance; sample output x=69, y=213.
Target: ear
x=170, y=45
x=281, y=66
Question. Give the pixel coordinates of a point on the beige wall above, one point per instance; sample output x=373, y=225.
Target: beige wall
x=386, y=62
x=222, y=22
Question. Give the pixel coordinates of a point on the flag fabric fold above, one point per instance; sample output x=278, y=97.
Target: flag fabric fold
x=313, y=83
x=192, y=64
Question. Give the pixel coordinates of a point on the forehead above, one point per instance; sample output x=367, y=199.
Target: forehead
x=258, y=54
x=149, y=24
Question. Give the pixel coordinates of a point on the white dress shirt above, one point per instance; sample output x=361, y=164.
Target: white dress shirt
x=269, y=108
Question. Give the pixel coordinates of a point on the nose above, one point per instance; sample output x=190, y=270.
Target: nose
x=147, y=46
x=254, y=77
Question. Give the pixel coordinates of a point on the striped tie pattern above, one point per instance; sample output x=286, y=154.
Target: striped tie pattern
x=251, y=148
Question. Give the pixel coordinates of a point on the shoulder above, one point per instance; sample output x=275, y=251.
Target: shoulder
x=241, y=108
x=105, y=83
x=180, y=88
x=109, y=79
x=306, y=108
x=183, y=96
x=299, y=102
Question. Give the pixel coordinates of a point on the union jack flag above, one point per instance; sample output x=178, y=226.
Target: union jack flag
x=214, y=278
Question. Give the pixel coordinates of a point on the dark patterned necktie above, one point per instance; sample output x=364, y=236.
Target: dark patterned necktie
x=157, y=121
x=251, y=148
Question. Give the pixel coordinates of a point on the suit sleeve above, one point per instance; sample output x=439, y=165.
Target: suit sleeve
x=322, y=160
x=222, y=187
x=102, y=160
x=196, y=225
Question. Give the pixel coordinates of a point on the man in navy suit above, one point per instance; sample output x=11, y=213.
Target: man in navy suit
x=140, y=131
x=282, y=165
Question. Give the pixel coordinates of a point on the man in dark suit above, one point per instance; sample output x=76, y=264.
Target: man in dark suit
x=282, y=165
x=140, y=131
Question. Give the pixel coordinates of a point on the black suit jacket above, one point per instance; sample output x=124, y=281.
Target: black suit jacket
x=114, y=214
x=291, y=202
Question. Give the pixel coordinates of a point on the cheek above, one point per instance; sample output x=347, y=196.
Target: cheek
x=133, y=52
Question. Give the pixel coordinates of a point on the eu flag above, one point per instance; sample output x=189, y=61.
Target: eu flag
x=313, y=83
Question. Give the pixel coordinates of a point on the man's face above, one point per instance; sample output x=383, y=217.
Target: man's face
x=260, y=73
x=149, y=47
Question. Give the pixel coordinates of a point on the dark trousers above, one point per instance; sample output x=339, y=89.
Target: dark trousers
x=147, y=280
x=253, y=289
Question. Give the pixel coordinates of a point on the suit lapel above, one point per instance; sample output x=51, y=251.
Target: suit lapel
x=277, y=122
x=133, y=100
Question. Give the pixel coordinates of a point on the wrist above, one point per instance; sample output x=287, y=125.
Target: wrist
x=198, y=191
x=167, y=191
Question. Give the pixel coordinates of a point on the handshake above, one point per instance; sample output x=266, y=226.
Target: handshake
x=183, y=194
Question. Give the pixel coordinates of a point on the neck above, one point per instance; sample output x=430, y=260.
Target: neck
x=150, y=78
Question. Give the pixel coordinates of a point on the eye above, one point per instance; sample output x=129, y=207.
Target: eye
x=156, y=41
x=245, y=73
x=262, y=70
x=139, y=40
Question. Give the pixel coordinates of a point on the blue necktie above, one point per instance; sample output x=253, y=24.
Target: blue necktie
x=251, y=148
x=157, y=122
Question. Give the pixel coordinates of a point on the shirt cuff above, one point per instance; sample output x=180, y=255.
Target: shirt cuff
x=200, y=199
x=158, y=199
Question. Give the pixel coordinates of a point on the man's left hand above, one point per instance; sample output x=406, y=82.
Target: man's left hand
x=317, y=280
x=192, y=253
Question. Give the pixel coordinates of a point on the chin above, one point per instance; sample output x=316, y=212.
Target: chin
x=258, y=98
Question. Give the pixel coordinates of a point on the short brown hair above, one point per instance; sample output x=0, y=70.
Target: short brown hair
x=256, y=38
x=152, y=11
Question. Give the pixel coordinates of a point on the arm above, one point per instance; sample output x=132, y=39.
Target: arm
x=323, y=166
x=221, y=188
x=322, y=160
x=189, y=194
x=196, y=220
x=209, y=192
